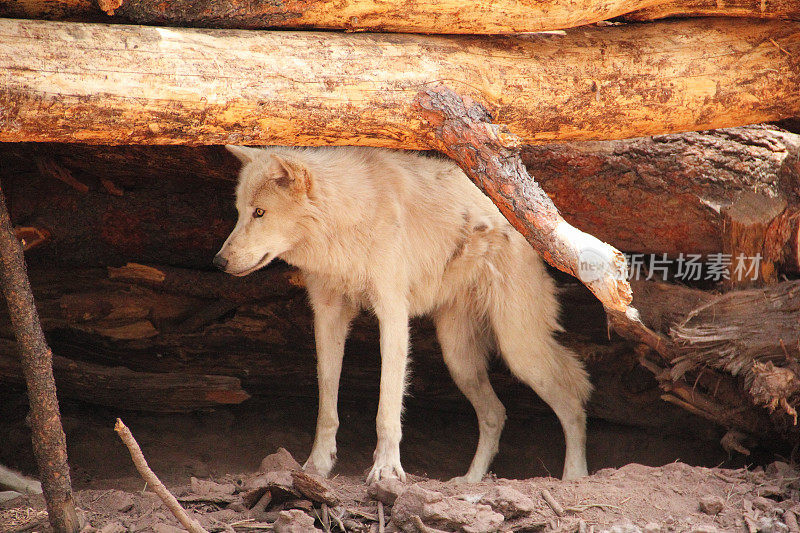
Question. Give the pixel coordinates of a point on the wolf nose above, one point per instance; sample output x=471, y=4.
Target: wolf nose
x=219, y=262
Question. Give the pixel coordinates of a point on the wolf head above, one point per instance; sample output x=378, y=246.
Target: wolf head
x=272, y=198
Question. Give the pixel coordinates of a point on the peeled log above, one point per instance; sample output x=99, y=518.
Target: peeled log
x=426, y=16
x=75, y=83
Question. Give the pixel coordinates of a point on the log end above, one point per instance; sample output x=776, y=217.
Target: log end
x=600, y=266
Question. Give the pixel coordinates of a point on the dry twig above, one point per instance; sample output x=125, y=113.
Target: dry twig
x=381, y=518
x=150, y=477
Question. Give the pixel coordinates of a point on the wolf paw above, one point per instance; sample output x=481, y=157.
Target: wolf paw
x=467, y=478
x=320, y=463
x=385, y=470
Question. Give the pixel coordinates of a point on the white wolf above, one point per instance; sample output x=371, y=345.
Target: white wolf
x=403, y=234
x=18, y=484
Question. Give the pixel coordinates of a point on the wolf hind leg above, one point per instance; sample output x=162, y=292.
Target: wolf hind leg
x=465, y=348
x=552, y=371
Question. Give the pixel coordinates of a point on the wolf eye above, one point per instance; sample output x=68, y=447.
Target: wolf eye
x=258, y=213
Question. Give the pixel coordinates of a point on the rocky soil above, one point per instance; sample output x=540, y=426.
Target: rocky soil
x=281, y=498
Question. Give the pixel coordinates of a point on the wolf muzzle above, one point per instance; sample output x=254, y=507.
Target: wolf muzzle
x=219, y=262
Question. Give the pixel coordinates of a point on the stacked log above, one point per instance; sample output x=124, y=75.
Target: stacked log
x=430, y=16
x=69, y=82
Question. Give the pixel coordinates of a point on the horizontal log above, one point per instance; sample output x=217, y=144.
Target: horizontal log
x=688, y=183
x=677, y=193
x=782, y=9
x=121, y=388
x=428, y=16
x=75, y=83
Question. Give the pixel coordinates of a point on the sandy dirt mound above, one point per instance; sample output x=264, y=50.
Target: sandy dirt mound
x=674, y=497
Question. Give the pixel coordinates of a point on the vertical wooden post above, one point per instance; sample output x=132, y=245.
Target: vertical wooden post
x=49, y=442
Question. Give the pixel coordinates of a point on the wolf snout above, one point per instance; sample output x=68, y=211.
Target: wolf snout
x=219, y=262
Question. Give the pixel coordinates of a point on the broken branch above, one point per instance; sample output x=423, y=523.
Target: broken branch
x=489, y=154
x=152, y=480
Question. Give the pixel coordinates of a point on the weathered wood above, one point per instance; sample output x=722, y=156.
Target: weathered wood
x=489, y=155
x=756, y=230
x=74, y=82
x=122, y=388
x=782, y=9
x=724, y=345
x=49, y=442
x=673, y=194
x=427, y=16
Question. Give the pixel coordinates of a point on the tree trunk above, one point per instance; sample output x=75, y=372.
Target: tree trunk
x=430, y=16
x=121, y=388
x=73, y=82
x=36, y=361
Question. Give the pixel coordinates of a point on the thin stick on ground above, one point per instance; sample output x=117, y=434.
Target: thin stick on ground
x=381, y=518
x=155, y=484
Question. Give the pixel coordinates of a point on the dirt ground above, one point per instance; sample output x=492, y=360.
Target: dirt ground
x=226, y=446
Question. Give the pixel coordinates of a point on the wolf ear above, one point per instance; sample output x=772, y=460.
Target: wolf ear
x=243, y=153
x=295, y=175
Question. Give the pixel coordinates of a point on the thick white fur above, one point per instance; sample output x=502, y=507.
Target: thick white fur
x=18, y=482
x=404, y=234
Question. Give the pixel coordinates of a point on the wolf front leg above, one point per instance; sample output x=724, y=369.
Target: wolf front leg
x=393, y=318
x=332, y=317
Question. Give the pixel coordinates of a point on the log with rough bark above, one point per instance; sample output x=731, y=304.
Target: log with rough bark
x=668, y=194
x=724, y=191
x=429, y=16
x=74, y=82
x=781, y=9
x=489, y=154
x=122, y=388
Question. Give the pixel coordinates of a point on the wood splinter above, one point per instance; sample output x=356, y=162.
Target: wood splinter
x=152, y=480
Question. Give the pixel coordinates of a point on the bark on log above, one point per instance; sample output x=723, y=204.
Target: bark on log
x=73, y=82
x=49, y=442
x=429, y=16
x=122, y=388
x=677, y=194
x=489, y=155
x=782, y=9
